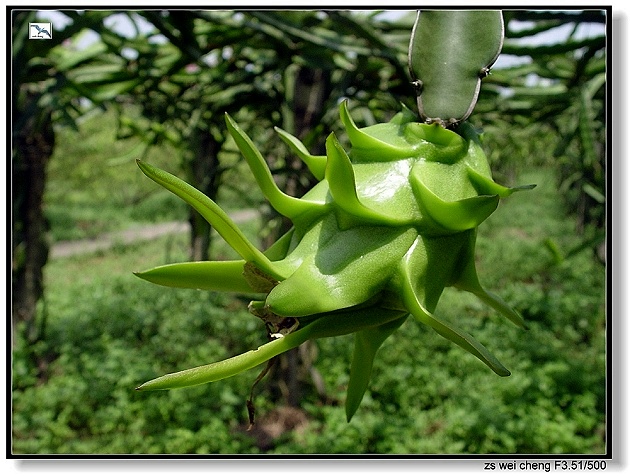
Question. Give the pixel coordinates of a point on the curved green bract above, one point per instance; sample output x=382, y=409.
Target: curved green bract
x=394, y=147
x=327, y=326
x=487, y=186
x=460, y=215
x=366, y=343
x=288, y=206
x=413, y=303
x=468, y=280
x=222, y=223
x=449, y=53
x=343, y=187
x=391, y=224
x=316, y=163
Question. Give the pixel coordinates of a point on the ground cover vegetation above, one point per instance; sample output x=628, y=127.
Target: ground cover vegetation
x=79, y=398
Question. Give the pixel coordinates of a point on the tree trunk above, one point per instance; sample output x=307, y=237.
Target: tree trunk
x=206, y=176
x=32, y=148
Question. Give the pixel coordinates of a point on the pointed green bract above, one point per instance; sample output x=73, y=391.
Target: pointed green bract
x=229, y=367
x=468, y=280
x=222, y=276
x=212, y=213
x=315, y=163
x=396, y=148
x=460, y=215
x=366, y=344
x=340, y=177
x=450, y=331
x=288, y=206
x=327, y=326
x=487, y=186
x=413, y=303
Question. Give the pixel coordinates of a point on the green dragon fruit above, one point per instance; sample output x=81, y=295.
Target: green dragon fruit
x=389, y=225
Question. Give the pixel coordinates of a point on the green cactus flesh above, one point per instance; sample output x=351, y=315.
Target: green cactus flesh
x=450, y=52
x=389, y=225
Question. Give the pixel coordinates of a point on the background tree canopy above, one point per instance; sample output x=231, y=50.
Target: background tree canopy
x=86, y=332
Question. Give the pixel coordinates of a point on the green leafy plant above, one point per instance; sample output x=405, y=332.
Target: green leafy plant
x=389, y=225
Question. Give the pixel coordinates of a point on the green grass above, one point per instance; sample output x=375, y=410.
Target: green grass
x=107, y=331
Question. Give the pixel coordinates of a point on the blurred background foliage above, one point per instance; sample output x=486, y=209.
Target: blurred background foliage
x=113, y=86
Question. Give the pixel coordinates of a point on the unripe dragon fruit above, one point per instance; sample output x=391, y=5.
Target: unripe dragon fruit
x=391, y=223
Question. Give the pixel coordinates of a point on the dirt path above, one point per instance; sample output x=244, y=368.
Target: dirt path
x=64, y=249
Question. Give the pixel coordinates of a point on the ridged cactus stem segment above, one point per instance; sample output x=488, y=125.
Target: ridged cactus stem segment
x=450, y=52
